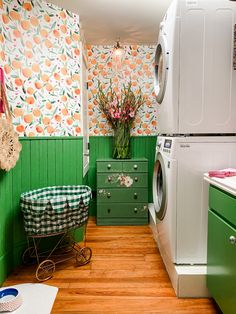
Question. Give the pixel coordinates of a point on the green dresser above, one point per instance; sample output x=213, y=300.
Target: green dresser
x=122, y=192
x=221, y=252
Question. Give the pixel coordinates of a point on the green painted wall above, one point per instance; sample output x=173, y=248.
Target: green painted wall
x=101, y=147
x=43, y=162
x=52, y=161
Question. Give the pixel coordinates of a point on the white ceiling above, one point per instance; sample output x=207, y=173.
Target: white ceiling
x=103, y=21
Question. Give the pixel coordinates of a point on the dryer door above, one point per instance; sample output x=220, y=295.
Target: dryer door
x=159, y=187
x=161, y=69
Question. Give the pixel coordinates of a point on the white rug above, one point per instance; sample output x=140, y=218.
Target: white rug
x=37, y=298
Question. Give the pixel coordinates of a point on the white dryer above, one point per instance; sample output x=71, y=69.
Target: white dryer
x=194, y=77
x=181, y=202
x=178, y=191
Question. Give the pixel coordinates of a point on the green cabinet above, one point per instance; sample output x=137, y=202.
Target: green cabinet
x=221, y=253
x=122, y=192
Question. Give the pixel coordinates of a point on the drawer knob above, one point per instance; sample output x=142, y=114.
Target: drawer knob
x=135, y=195
x=136, y=179
x=108, y=195
x=108, y=210
x=109, y=166
x=135, y=210
x=232, y=240
x=109, y=179
x=135, y=167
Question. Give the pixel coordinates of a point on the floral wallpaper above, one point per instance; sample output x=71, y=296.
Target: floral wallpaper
x=40, y=54
x=137, y=66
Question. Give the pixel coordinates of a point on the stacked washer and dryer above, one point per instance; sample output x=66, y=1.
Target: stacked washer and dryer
x=195, y=85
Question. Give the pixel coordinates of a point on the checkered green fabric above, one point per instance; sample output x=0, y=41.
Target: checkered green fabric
x=55, y=209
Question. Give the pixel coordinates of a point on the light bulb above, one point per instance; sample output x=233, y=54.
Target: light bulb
x=118, y=51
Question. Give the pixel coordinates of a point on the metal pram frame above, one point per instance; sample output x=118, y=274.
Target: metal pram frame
x=55, y=211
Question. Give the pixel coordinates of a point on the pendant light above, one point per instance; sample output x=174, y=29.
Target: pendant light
x=118, y=50
x=118, y=54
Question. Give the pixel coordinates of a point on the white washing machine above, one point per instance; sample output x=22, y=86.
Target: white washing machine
x=194, y=77
x=181, y=201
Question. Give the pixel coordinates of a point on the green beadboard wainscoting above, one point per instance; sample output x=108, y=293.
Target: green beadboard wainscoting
x=101, y=147
x=51, y=161
x=43, y=162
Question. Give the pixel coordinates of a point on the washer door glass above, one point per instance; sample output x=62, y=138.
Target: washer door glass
x=159, y=188
x=161, y=68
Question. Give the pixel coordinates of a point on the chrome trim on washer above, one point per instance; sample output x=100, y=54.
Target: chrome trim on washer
x=159, y=188
x=161, y=68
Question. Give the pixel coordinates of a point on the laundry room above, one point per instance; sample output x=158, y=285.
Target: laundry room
x=117, y=156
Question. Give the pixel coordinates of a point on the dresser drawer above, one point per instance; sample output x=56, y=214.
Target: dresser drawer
x=135, y=166
x=105, y=180
x=109, y=166
x=125, y=195
x=223, y=203
x=125, y=210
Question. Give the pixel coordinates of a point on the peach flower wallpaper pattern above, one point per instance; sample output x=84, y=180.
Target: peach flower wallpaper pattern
x=40, y=54
x=138, y=67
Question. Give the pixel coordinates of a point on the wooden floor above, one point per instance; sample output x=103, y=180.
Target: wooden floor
x=126, y=275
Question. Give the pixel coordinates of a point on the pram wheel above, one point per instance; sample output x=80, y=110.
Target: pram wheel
x=83, y=256
x=29, y=257
x=45, y=270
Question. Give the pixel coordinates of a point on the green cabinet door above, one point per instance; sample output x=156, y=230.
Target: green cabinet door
x=224, y=204
x=221, y=263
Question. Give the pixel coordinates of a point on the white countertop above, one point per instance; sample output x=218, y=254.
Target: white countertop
x=226, y=184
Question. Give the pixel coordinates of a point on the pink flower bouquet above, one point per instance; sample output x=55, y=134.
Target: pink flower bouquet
x=120, y=111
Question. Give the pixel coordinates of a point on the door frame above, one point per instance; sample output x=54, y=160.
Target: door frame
x=84, y=106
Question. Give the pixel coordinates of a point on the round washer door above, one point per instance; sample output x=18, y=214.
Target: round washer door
x=159, y=187
x=161, y=69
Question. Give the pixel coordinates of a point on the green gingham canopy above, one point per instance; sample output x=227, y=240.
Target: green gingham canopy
x=55, y=209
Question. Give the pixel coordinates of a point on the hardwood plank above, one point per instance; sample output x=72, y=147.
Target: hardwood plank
x=111, y=303
x=126, y=275
x=117, y=292
x=126, y=283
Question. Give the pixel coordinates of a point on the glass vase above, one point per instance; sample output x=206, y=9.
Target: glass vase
x=121, y=142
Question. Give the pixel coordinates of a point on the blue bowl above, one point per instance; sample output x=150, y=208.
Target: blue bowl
x=8, y=292
x=10, y=300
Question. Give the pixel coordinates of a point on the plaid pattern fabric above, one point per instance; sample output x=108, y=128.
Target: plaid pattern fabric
x=55, y=209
